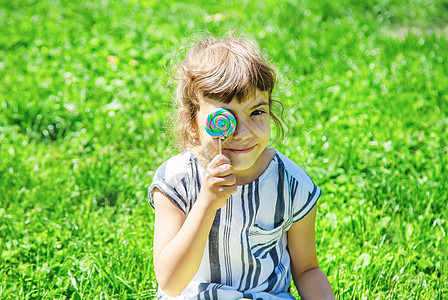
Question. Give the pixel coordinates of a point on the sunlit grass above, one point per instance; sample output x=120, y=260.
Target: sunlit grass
x=83, y=103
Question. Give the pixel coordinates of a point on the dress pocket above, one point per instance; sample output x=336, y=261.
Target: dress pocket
x=262, y=241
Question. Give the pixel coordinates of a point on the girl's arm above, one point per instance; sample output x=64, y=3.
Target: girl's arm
x=179, y=241
x=309, y=279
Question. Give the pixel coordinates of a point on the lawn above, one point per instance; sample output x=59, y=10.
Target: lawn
x=84, y=100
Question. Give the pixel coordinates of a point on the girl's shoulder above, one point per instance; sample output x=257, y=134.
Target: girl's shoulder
x=301, y=190
x=174, y=178
x=293, y=170
x=176, y=168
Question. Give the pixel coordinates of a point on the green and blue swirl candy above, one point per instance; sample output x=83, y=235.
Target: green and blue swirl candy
x=220, y=123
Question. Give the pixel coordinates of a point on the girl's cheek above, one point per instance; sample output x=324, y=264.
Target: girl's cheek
x=262, y=125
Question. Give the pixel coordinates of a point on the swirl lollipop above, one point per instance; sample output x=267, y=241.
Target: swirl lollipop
x=220, y=124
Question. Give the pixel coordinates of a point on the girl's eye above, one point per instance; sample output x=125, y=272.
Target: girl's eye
x=257, y=112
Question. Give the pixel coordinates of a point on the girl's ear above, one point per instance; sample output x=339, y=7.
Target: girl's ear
x=194, y=132
x=187, y=119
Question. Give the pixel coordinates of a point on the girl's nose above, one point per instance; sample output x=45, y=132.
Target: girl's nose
x=242, y=131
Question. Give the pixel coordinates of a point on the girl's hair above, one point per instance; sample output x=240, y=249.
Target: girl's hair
x=223, y=70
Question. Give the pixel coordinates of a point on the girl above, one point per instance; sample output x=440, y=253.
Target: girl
x=237, y=224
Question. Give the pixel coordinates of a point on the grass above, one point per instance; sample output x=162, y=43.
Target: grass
x=83, y=99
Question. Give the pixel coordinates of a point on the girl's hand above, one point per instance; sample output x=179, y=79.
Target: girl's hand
x=218, y=183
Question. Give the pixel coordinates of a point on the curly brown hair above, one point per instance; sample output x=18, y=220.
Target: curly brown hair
x=221, y=69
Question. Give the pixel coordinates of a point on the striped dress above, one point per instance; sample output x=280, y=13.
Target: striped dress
x=246, y=253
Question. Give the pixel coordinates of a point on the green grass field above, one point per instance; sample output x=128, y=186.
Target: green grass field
x=84, y=99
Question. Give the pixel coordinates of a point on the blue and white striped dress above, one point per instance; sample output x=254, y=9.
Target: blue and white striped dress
x=246, y=253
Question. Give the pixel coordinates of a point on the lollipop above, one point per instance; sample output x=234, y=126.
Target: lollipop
x=220, y=124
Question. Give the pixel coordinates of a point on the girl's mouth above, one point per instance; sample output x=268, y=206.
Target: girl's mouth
x=240, y=150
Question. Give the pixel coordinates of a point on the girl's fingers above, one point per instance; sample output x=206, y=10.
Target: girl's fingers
x=219, y=160
x=229, y=190
x=229, y=180
x=219, y=166
x=222, y=170
x=217, y=182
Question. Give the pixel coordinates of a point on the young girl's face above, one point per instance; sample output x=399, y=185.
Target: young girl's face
x=246, y=145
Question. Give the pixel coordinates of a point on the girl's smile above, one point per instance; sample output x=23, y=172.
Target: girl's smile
x=246, y=148
x=240, y=150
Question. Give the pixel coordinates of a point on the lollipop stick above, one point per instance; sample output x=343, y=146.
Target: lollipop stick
x=220, y=148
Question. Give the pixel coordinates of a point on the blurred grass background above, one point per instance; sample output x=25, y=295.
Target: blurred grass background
x=84, y=98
